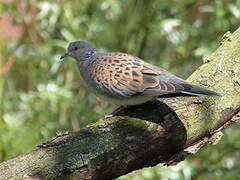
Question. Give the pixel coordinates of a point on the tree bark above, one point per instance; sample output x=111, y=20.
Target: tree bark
x=164, y=131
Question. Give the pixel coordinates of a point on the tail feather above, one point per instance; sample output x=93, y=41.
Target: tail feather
x=194, y=90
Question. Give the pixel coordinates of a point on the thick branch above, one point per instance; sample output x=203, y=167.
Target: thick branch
x=174, y=128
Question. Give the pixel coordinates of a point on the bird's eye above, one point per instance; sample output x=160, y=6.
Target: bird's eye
x=75, y=48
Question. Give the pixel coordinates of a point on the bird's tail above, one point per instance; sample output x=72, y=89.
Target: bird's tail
x=194, y=90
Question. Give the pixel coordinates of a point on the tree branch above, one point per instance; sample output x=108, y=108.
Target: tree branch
x=152, y=133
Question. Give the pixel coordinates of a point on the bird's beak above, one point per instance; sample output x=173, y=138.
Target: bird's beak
x=65, y=55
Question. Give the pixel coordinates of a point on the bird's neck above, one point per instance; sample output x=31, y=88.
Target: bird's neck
x=88, y=54
x=83, y=67
x=85, y=61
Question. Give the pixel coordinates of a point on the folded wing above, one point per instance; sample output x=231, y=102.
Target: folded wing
x=124, y=76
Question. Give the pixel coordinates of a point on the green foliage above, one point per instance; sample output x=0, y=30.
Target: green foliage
x=39, y=95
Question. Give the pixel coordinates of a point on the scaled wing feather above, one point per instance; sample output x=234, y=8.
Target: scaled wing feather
x=124, y=75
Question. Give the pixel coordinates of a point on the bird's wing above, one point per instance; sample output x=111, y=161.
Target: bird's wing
x=170, y=85
x=124, y=75
x=118, y=74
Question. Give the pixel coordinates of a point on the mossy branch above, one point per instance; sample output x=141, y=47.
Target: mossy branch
x=152, y=133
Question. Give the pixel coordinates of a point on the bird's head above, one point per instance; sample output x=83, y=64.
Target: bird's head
x=79, y=50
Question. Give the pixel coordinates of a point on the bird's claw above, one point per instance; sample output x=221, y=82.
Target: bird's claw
x=106, y=117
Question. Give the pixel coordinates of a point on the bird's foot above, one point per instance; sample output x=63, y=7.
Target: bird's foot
x=114, y=113
x=106, y=117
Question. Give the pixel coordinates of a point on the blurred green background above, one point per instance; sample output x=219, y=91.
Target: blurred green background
x=39, y=95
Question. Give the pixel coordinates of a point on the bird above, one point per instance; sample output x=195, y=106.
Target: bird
x=127, y=80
